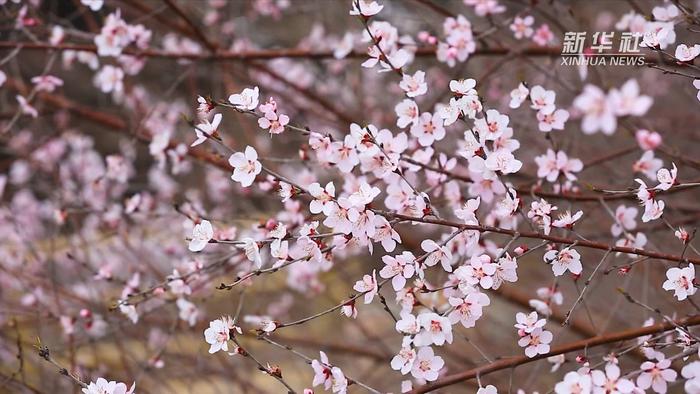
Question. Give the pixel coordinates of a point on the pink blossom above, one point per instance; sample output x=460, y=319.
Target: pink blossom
x=522, y=27
x=627, y=100
x=552, y=121
x=408, y=324
x=435, y=329
x=428, y=129
x=274, y=122
x=501, y=161
x=365, y=8
x=480, y=270
x=528, y=323
x=681, y=281
x=385, y=233
x=407, y=113
x=246, y=100
x=490, y=389
x=624, y=220
x=542, y=100
x=252, y=250
x=566, y=220
x=202, y=233
x=469, y=309
x=463, y=87
x=322, y=198
x=102, y=386
x=404, y=360
x=648, y=164
x=574, y=382
x=219, y=333
x=597, y=111
x=691, y=372
x=610, y=381
x=368, y=286
x=114, y=36
x=427, y=365
x=653, y=210
x=491, y=127
x=46, y=83
x=667, y=178
x=344, y=154
x=540, y=212
x=398, y=268
x=94, y=5
x=648, y=140
x=25, y=107
x=665, y=13
x=563, y=260
x=468, y=212
x=206, y=129
x=656, y=375
x=110, y=79
x=187, y=311
x=536, y=342
x=414, y=85
x=518, y=96
x=543, y=35
x=331, y=377
x=437, y=253
x=685, y=53
x=485, y=7
x=245, y=166
x=340, y=216
x=552, y=164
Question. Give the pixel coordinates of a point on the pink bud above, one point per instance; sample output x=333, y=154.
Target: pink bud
x=648, y=140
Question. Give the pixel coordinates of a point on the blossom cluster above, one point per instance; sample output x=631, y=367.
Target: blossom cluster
x=261, y=202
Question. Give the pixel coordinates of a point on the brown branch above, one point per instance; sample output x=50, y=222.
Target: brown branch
x=535, y=235
x=609, y=156
x=303, y=91
x=195, y=29
x=437, y=8
x=511, y=362
x=263, y=54
x=336, y=347
x=165, y=20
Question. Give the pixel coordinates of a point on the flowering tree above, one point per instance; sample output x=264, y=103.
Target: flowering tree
x=349, y=196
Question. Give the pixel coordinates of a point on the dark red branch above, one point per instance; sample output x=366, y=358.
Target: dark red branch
x=512, y=362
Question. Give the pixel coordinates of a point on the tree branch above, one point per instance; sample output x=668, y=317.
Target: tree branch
x=512, y=362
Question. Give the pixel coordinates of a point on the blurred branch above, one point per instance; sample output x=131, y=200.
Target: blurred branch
x=265, y=54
